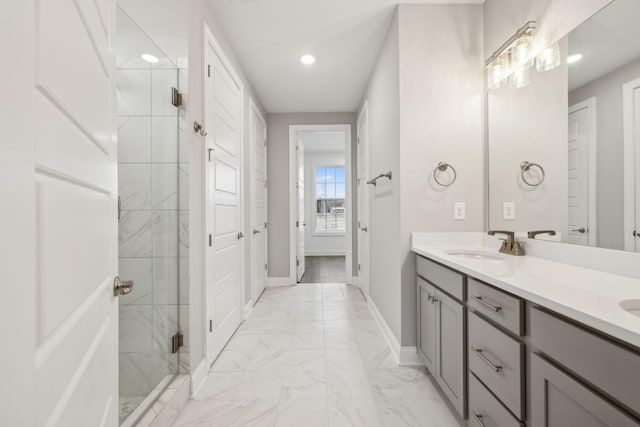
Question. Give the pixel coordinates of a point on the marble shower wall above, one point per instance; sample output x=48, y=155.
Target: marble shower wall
x=153, y=245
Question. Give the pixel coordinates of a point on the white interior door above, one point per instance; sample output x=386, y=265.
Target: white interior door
x=363, y=201
x=72, y=374
x=223, y=123
x=579, y=126
x=300, y=211
x=631, y=112
x=259, y=203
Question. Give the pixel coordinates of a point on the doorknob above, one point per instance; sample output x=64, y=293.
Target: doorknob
x=580, y=230
x=121, y=287
x=240, y=235
x=365, y=229
x=256, y=231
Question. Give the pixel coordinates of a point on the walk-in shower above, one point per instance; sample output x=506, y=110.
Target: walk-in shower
x=152, y=233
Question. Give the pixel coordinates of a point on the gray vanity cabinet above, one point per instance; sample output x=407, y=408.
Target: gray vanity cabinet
x=441, y=329
x=557, y=399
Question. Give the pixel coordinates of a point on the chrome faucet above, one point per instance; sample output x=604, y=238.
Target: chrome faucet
x=510, y=245
x=533, y=234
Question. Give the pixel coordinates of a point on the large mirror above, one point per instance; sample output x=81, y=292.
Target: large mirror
x=564, y=147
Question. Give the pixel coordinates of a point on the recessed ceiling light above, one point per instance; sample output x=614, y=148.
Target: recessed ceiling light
x=307, y=59
x=149, y=58
x=572, y=59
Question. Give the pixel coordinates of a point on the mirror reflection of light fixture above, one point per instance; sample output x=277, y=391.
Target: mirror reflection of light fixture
x=549, y=58
x=521, y=56
x=572, y=59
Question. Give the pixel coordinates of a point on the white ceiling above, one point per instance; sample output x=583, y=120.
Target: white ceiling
x=609, y=40
x=322, y=142
x=268, y=37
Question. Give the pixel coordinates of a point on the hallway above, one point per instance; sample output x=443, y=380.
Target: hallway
x=312, y=355
x=324, y=269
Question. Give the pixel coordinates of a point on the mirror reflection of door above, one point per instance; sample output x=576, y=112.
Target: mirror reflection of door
x=631, y=118
x=581, y=137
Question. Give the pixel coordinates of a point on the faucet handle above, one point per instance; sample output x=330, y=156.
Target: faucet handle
x=510, y=234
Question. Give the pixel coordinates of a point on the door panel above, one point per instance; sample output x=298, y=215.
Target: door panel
x=76, y=219
x=300, y=219
x=258, y=136
x=450, y=370
x=363, y=202
x=223, y=96
x=579, y=126
x=636, y=145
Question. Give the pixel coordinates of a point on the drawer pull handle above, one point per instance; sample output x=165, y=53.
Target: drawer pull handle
x=482, y=357
x=478, y=418
x=486, y=304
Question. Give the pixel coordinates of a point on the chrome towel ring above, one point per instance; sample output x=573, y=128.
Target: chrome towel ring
x=442, y=166
x=524, y=167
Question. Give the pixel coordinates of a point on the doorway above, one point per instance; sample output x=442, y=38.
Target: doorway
x=320, y=203
x=631, y=118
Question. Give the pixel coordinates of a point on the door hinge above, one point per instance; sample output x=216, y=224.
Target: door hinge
x=297, y=261
x=210, y=240
x=120, y=210
x=210, y=325
x=297, y=147
x=297, y=224
x=209, y=150
x=297, y=186
x=209, y=70
x=265, y=267
x=265, y=225
x=177, y=341
x=358, y=180
x=176, y=97
x=358, y=267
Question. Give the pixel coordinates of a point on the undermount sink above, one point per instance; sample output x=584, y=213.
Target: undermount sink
x=631, y=306
x=475, y=254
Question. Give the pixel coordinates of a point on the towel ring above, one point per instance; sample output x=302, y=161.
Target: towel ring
x=524, y=167
x=442, y=166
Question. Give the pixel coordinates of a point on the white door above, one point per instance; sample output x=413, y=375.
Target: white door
x=223, y=124
x=300, y=210
x=363, y=201
x=578, y=231
x=69, y=372
x=258, y=131
x=631, y=100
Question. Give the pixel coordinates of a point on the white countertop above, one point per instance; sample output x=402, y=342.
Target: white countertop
x=585, y=295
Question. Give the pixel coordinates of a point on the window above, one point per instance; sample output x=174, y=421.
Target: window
x=329, y=200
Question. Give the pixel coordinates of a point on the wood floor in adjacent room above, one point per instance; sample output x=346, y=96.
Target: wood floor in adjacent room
x=324, y=269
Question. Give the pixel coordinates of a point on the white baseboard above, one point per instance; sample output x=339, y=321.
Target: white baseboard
x=392, y=341
x=248, y=308
x=279, y=281
x=198, y=377
x=409, y=356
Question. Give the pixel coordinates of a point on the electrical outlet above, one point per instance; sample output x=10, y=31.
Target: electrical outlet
x=508, y=211
x=459, y=209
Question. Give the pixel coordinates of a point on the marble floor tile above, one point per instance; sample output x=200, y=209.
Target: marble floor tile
x=312, y=355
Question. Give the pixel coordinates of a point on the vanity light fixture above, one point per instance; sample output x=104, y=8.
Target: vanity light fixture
x=149, y=58
x=572, y=59
x=520, y=78
x=515, y=55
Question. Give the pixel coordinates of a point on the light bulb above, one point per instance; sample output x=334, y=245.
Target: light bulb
x=520, y=78
x=497, y=72
x=549, y=58
x=521, y=54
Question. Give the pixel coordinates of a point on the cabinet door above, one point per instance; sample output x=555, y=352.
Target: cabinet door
x=450, y=345
x=428, y=325
x=559, y=400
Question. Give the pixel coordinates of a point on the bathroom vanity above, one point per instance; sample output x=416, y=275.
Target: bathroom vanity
x=526, y=341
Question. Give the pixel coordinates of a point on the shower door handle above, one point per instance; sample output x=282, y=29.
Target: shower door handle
x=122, y=287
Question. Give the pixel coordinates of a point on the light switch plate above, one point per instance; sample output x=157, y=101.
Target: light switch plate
x=508, y=211
x=459, y=211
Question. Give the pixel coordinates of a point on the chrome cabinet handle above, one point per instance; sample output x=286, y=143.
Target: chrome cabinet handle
x=121, y=287
x=486, y=304
x=478, y=418
x=482, y=357
x=580, y=230
x=256, y=231
x=429, y=297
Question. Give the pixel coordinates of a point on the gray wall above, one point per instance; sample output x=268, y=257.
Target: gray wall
x=383, y=98
x=608, y=93
x=278, y=181
x=425, y=104
x=200, y=11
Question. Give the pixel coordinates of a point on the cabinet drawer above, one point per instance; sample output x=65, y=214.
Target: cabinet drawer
x=557, y=399
x=504, y=309
x=444, y=278
x=613, y=369
x=485, y=410
x=498, y=361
